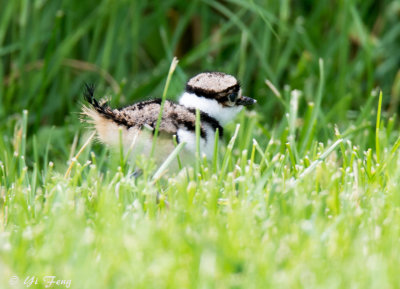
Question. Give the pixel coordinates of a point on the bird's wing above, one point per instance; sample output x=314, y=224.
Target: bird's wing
x=145, y=114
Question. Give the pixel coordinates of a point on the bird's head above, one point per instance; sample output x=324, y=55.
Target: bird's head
x=217, y=94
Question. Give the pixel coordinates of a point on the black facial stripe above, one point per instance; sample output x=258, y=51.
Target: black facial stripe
x=211, y=94
x=223, y=99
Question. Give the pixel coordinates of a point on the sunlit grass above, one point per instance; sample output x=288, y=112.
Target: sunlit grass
x=260, y=220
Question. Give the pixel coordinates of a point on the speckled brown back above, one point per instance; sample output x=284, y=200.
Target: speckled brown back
x=146, y=114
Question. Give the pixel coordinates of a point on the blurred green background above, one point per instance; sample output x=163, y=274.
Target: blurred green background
x=301, y=211
x=48, y=49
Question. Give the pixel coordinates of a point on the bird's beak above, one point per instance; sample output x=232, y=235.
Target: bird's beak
x=246, y=101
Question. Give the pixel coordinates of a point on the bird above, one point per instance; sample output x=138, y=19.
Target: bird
x=217, y=95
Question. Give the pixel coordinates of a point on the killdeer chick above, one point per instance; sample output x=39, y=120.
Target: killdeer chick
x=216, y=95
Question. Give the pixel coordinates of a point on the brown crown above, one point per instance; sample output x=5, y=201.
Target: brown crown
x=212, y=84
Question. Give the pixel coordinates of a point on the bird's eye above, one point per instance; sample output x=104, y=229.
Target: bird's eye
x=232, y=97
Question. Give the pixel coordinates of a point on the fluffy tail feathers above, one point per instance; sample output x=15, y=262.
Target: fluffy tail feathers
x=109, y=122
x=101, y=116
x=101, y=108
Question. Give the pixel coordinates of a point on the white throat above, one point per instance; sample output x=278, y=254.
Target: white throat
x=221, y=113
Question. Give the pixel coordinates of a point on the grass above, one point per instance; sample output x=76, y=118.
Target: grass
x=302, y=194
